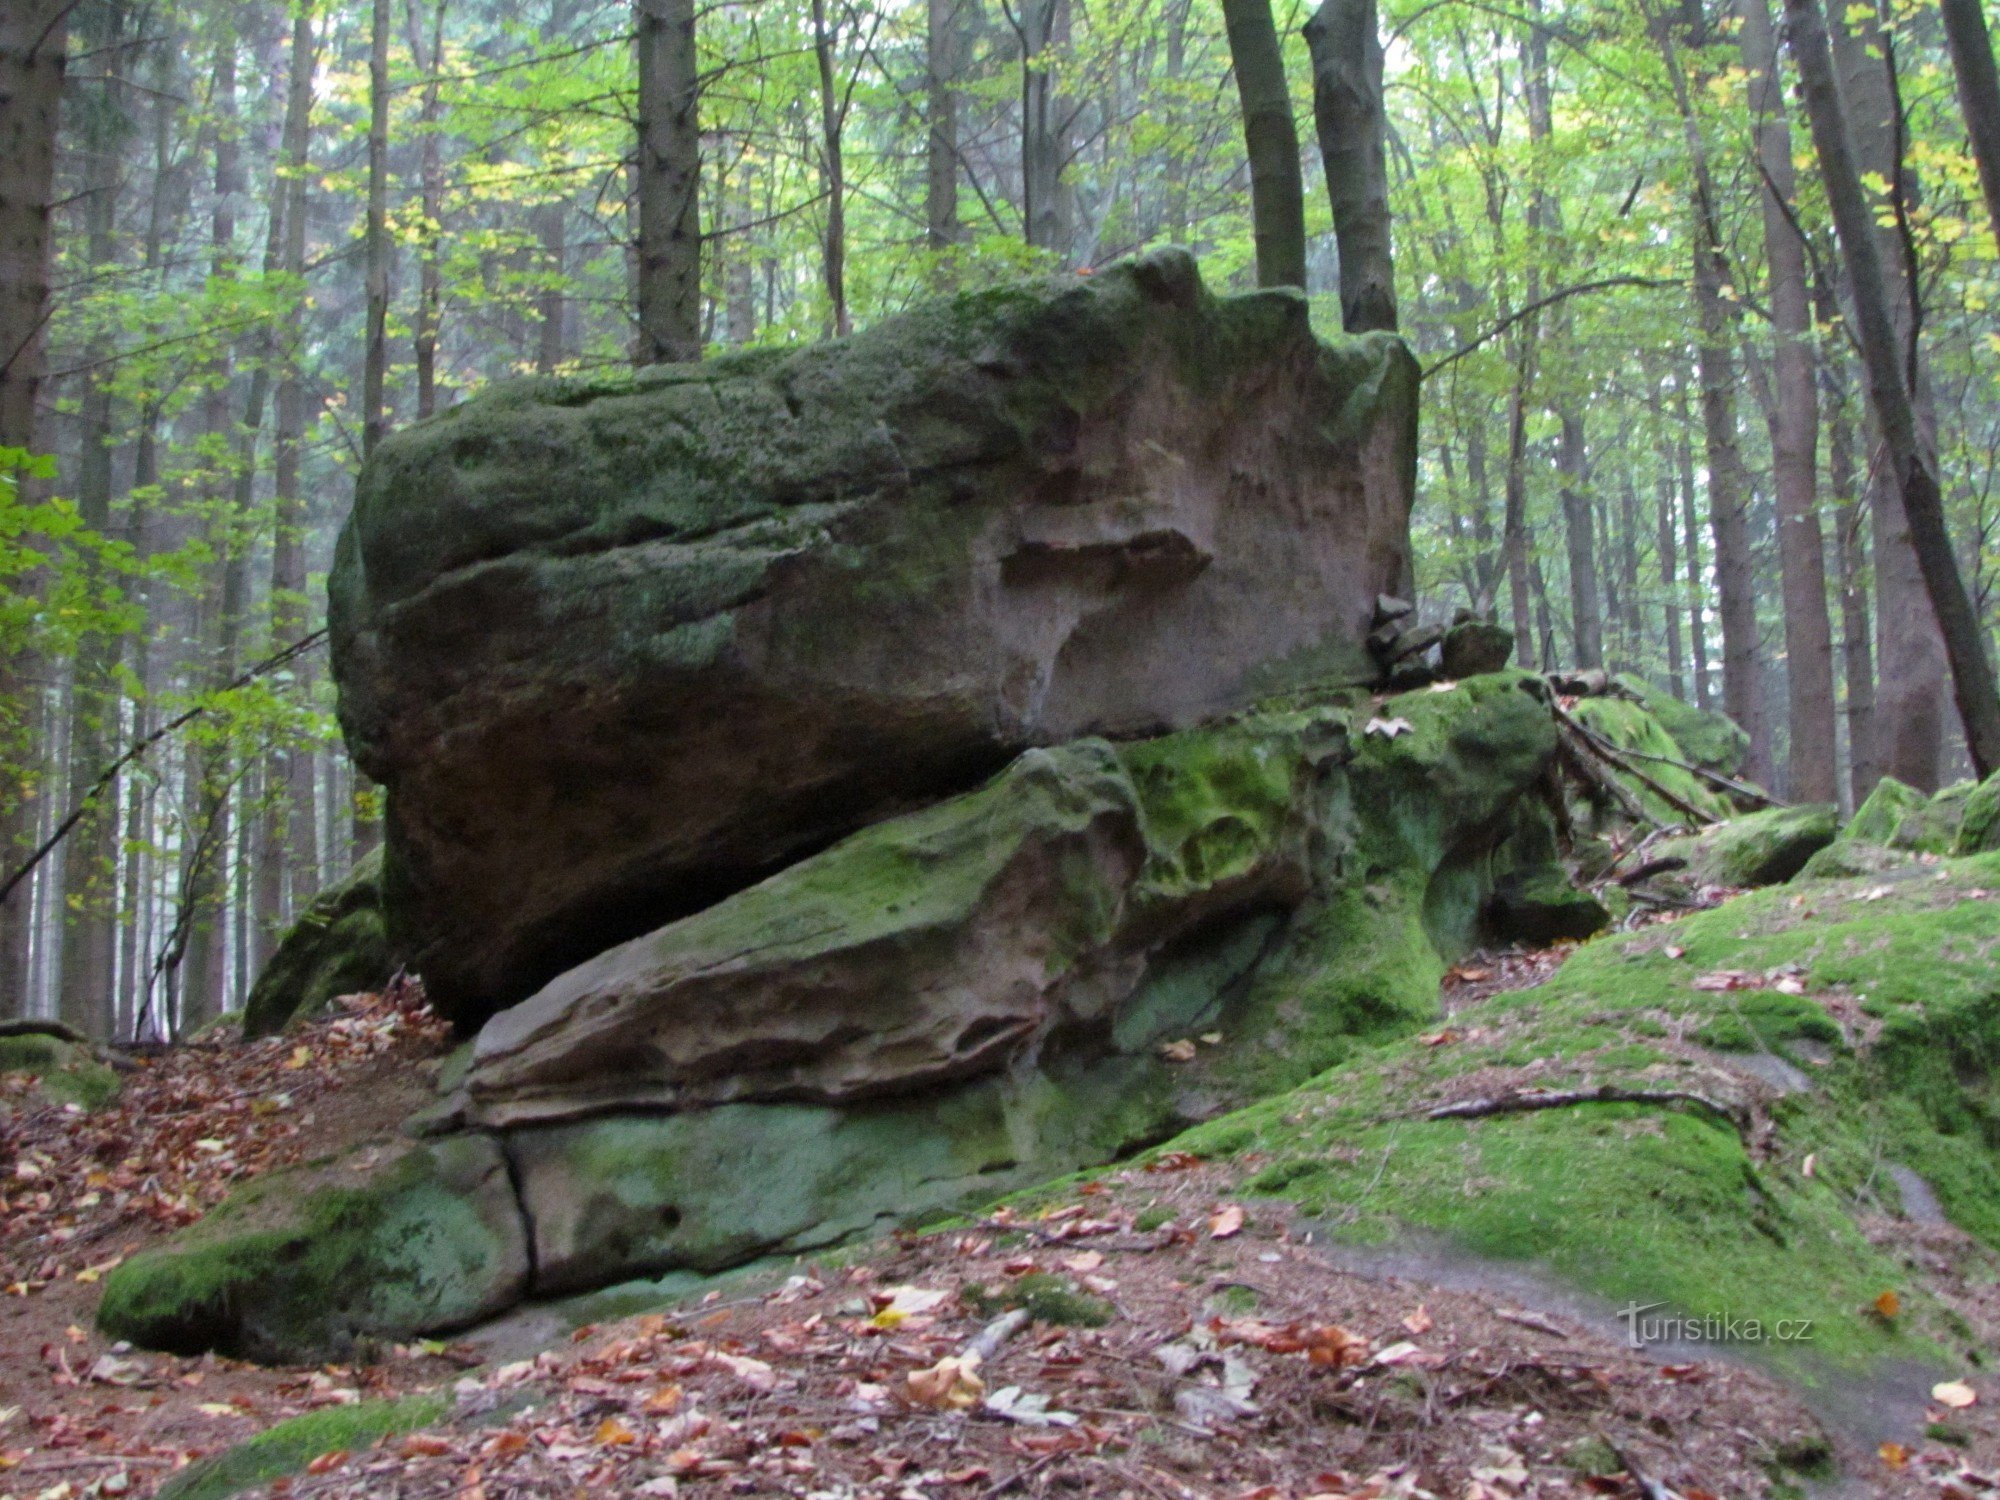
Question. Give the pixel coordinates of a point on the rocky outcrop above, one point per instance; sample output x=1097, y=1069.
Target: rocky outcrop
x=618, y=648
x=338, y=946
x=1104, y=944
x=1760, y=848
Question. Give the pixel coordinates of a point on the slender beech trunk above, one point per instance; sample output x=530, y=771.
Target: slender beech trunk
x=1978, y=92
x=89, y=903
x=1891, y=389
x=34, y=37
x=1912, y=672
x=1670, y=582
x=1579, y=531
x=1514, y=524
x=833, y=174
x=669, y=183
x=1045, y=148
x=1728, y=485
x=287, y=859
x=943, y=61
x=1857, y=641
x=430, y=178
x=1697, y=583
x=1794, y=428
x=375, y=355
x=1346, y=49
x=1271, y=138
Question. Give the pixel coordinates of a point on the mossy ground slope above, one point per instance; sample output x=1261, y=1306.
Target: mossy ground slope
x=1821, y=1032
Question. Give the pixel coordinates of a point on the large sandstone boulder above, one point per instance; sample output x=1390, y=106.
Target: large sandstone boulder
x=620, y=647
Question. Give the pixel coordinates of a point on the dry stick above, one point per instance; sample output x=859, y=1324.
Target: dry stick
x=138, y=748
x=1728, y=784
x=1604, y=781
x=1522, y=1103
x=1613, y=756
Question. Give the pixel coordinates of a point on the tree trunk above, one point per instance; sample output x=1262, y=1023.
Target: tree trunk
x=1890, y=390
x=1697, y=583
x=33, y=50
x=430, y=178
x=1514, y=523
x=1045, y=217
x=1728, y=486
x=287, y=863
x=1579, y=531
x=669, y=183
x=1911, y=693
x=89, y=903
x=1271, y=138
x=1978, y=92
x=1346, y=52
x=375, y=357
x=1670, y=582
x=944, y=52
x=833, y=175
x=1794, y=428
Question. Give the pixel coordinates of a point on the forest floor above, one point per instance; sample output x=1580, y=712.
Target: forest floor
x=1182, y=1342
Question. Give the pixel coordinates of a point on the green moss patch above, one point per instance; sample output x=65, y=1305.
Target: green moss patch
x=1844, y=1022
x=291, y=1445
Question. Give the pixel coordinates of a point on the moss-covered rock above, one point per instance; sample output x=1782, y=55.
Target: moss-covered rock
x=1979, y=826
x=338, y=946
x=1541, y=907
x=1773, y=1052
x=301, y=1265
x=1631, y=726
x=1708, y=739
x=1759, y=848
x=618, y=647
x=65, y=1071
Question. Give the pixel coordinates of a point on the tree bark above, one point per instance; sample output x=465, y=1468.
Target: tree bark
x=425, y=333
x=669, y=183
x=1890, y=390
x=1514, y=522
x=1045, y=217
x=1271, y=140
x=1794, y=428
x=1971, y=49
x=1346, y=49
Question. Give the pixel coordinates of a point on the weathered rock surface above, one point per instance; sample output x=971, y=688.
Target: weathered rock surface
x=338, y=946
x=620, y=648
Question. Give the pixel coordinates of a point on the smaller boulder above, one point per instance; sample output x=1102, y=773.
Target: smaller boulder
x=1540, y=907
x=1476, y=646
x=1759, y=848
x=64, y=1066
x=302, y=1265
x=1979, y=828
x=337, y=947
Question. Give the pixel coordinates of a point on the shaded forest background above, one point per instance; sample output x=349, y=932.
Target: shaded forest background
x=280, y=230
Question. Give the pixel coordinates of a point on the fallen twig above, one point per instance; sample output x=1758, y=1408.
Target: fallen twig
x=1522, y=1101
x=1615, y=756
x=1532, y=1320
